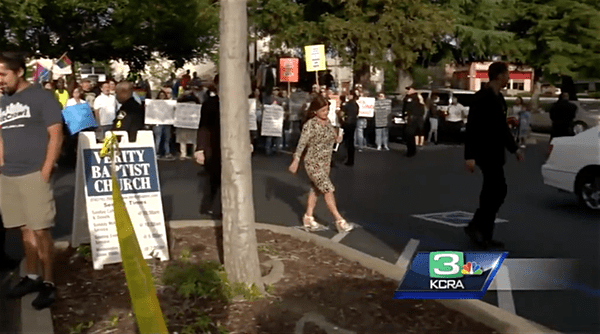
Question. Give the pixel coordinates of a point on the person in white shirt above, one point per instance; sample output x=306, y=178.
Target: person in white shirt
x=455, y=119
x=105, y=108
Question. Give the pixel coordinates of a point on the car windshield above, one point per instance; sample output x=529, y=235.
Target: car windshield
x=591, y=106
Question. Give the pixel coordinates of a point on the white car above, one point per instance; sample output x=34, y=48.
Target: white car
x=573, y=165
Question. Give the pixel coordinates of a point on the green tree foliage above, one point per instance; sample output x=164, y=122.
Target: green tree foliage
x=362, y=32
x=556, y=37
x=131, y=30
x=559, y=37
x=479, y=29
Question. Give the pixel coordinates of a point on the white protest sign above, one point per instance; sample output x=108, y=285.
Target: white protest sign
x=366, y=106
x=187, y=115
x=272, y=120
x=252, y=114
x=333, y=117
x=160, y=112
x=137, y=175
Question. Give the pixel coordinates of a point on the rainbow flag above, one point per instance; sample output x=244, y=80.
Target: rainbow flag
x=41, y=73
x=63, y=62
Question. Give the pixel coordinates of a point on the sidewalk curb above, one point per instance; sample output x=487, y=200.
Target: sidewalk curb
x=40, y=322
x=490, y=315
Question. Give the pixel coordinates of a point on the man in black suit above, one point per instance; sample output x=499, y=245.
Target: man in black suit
x=350, y=110
x=130, y=117
x=487, y=137
x=562, y=114
x=414, y=111
x=208, y=150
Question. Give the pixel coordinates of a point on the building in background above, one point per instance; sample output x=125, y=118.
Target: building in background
x=471, y=76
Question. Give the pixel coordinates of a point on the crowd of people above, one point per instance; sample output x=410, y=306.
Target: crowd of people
x=32, y=134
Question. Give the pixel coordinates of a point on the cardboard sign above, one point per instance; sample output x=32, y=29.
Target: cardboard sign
x=272, y=120
x=79, y=117
x=137, y=175
x=315, y=58
x=333, y=117
x=366, y=106
x=160, y=112
x=288, y=69
x=252, y=114
x=187, y=115
x=383, y=108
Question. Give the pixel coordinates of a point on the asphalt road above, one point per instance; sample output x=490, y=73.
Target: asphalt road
x=384, y=190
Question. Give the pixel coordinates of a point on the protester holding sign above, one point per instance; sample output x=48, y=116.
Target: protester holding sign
x=78, y=116
x=162, y=134
x=317, y=138
x=383, y=109
x=185, y=136
x=30, y=144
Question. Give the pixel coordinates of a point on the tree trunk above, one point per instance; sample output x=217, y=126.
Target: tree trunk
x=534, y=104
x=239, y=237
x=362, y=75
x=404, y=80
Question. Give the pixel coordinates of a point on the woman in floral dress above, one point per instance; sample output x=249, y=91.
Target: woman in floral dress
x=317, y=138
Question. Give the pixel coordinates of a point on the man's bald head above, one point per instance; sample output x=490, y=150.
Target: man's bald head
x=124, y=91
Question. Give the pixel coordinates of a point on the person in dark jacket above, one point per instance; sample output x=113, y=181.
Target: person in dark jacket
x=350, y=115
x=130, y=116
x=562, y=114
x=208, y=150
x=487, y=138
x=414, y=111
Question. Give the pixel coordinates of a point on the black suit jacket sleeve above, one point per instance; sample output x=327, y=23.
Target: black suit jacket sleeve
x=487, y=134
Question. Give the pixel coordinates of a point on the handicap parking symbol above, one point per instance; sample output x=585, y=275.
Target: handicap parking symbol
x=452, y=218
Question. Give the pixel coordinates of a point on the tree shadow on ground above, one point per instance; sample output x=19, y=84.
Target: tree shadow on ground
x=347, y=304
x=293, y=195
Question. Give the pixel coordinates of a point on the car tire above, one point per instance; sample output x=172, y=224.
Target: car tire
x=578, y=128
x=587, y=189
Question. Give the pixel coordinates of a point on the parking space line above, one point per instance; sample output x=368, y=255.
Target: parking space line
x=338, y=237
x=505, y=297
x=407, y=253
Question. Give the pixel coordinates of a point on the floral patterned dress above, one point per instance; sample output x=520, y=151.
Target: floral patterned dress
x=318, y=140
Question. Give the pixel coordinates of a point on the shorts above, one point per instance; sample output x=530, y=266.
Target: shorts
x=27, y=201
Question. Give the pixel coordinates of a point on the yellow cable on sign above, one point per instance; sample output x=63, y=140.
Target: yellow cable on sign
x=145, y=304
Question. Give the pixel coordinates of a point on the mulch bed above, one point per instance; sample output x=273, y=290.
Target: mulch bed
x=349, y=296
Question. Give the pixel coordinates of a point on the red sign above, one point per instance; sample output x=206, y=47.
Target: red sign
x=288, y=69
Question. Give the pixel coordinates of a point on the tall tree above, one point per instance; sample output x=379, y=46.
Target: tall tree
x=478, y=31
x=239, y=237
x=364, y=33
x=131, y=30
x=559, y=37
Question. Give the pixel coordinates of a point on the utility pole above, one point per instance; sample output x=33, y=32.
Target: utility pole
x=239, y=236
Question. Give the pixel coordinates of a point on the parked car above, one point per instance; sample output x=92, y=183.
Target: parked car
x=573, y=165
x=588, y=114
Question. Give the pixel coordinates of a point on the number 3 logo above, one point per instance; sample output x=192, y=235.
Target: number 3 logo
x=445, y=264
x=452, y=264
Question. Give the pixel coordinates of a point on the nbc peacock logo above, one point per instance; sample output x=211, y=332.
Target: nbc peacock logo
x=471, y=268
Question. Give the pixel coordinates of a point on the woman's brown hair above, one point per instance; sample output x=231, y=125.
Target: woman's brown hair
x=317, y=103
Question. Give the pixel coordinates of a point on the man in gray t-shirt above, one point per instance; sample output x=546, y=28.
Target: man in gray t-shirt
x=25, y=117
x=30, y=142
